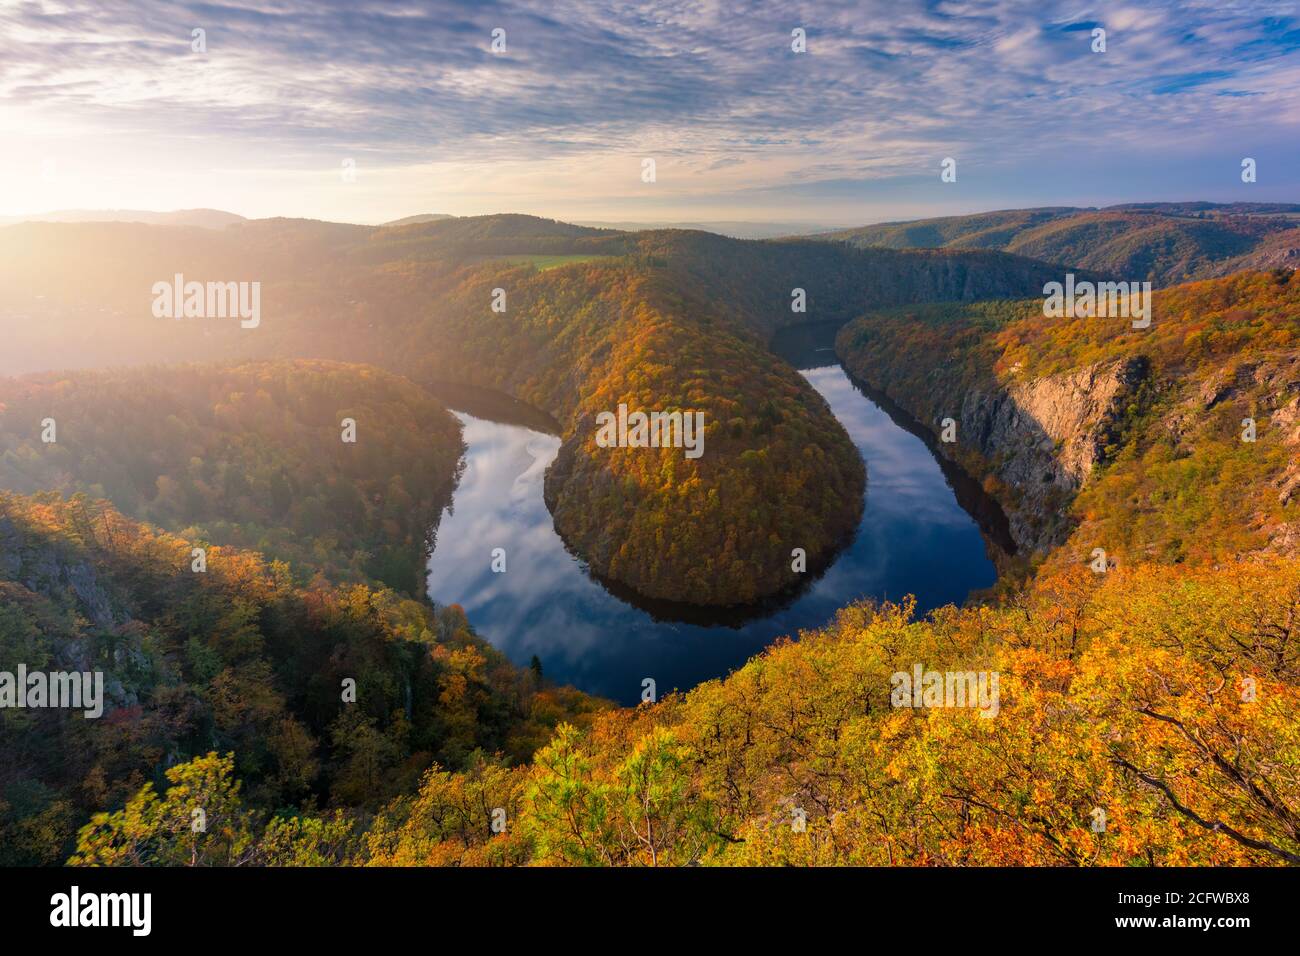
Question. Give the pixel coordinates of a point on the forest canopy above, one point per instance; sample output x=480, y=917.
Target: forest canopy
x=237, y=659
x=1118, y=704
x=248, y=455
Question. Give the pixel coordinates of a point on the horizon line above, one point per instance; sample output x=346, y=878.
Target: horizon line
x=8, y=219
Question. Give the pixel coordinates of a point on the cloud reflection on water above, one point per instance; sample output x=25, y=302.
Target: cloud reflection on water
x=913, y=538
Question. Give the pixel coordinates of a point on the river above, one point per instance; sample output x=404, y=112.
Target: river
x=914, y=538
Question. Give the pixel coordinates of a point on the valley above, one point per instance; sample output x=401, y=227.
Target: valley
x=913, y=538
x=1173, y=444
x=904, y=463
x=677, y=320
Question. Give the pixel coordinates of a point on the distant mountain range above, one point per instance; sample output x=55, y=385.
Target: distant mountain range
x=734, y=229
x=217, y=219
x=1166, y=243
x=417, y=219
x=202, y=218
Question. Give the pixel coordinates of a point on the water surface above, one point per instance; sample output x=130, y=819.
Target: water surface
x=914, y=538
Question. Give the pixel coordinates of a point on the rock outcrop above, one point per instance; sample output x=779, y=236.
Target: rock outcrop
x=1044, y=438
x=1040, y=439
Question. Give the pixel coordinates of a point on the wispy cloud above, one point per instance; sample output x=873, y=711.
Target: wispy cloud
x=112, y=97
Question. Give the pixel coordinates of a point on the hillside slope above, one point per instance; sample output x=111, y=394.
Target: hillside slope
x=1178, y=443
x=1143, y=718
x=248, y=455
x=585, y=320
x=1165, y=243
x=235, y=659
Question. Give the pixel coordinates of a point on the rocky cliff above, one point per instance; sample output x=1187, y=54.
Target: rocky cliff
x=1180, y=444
x=1033, y=442
x=1043, y=438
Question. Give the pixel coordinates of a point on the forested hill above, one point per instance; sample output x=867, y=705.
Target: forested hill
x=777, y=471
x=1179, y=443
x=233, y=659
x=250, y=455
x=756, y=281
x=1165, y=243
x=1116, y=703
x=574, y=320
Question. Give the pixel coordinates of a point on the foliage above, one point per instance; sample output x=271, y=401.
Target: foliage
x=1177, y=481
x=248, y=456
x=1164, y=243
x=1164, y=702
x=238, y=659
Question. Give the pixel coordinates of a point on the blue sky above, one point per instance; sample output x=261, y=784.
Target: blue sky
x=105, y=105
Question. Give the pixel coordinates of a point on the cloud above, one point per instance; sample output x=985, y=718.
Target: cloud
x=584, y=89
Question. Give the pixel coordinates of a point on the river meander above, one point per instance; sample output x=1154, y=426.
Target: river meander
x=914, y=538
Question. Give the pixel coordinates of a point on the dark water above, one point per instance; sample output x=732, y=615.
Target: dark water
x=914, y=538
